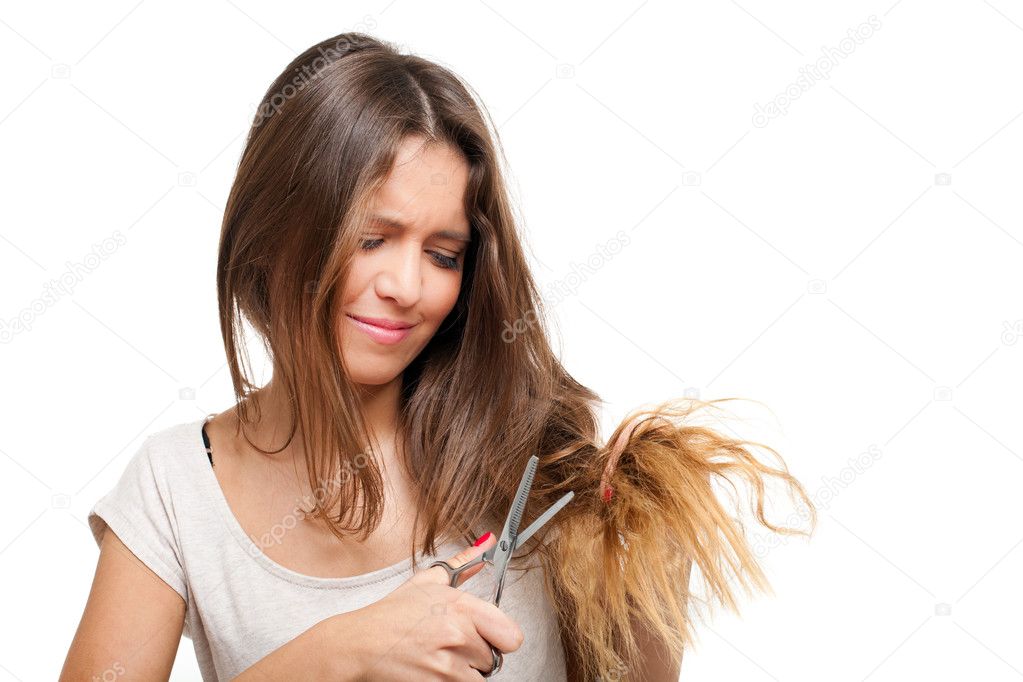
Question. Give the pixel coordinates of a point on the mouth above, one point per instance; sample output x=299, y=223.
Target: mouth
x=381, y=330
x=383, y=322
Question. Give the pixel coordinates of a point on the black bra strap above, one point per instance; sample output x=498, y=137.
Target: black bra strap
x=206, y=442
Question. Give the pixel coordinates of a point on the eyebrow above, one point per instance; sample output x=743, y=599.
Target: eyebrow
x=398, y=225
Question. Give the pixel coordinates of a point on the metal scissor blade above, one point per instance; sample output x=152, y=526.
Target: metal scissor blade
x=511, y=523
x=507, y=542
x=544, y=518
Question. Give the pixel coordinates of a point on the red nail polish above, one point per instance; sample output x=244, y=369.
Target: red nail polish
x=481, y=539
x=608, y=492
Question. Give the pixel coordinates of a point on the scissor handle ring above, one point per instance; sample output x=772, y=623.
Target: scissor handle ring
x=453, y=573
x=498, y=661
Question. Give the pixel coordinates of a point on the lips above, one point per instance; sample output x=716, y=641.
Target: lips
x=375, y=329
x=383, y=322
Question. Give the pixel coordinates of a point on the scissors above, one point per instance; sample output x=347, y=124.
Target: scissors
x=500, y=554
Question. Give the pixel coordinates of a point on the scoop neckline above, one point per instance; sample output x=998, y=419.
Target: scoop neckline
x=216, y=494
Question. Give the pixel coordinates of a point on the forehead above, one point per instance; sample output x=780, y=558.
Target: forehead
x=425, y=187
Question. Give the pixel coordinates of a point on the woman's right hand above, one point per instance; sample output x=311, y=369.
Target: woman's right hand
x=425, y=629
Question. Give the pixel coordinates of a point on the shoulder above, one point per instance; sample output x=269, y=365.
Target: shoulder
x=171, y=441
x=163, y=457
x=173, y=450
x=160, y=470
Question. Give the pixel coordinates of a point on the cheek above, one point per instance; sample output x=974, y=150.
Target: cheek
x=443, y=294
x=355, y=282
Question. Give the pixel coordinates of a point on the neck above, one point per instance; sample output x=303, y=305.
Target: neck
x=378, y=403
x=379, y=406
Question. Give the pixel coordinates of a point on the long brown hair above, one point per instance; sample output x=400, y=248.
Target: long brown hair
x=476, y=403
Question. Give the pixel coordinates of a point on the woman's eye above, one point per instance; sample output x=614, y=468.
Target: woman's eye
x=443, y=260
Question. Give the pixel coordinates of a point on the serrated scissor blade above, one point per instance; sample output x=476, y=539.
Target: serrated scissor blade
x=507, y=542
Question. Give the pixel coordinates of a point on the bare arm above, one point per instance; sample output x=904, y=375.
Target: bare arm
x=655, y=661
x=132, y=623
x=655, y=664
x=132, y=626
x=306, y=654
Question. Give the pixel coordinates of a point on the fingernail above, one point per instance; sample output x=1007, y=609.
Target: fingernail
x=481, y=539
x=608, y=492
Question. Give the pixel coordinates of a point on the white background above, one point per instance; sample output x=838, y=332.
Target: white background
x=854, y=264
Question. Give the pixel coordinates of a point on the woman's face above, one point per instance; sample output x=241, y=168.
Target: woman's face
x=408, y=269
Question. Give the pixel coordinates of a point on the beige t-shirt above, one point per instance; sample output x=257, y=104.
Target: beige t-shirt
x=169, y=510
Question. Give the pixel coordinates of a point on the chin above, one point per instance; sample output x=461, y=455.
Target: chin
x=374, y=379
x=364, y=373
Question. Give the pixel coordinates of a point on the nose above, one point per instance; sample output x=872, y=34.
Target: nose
x=400, y=276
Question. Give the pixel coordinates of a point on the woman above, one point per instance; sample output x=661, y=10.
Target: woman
x=369, y=241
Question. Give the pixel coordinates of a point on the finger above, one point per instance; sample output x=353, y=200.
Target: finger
x=477, y=656
x=438, y=575
x=471, y=674
x=470, y=553
x=495, y=627
x=480, y=659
